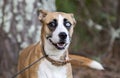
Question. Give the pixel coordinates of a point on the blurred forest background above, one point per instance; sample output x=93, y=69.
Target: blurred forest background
x=96, y=35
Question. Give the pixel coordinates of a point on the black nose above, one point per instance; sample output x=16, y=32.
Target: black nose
x=63, y=35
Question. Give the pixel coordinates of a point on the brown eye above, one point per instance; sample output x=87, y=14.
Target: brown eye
x=53, y=24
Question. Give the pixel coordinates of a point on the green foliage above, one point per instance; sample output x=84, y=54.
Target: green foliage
x=66, y=6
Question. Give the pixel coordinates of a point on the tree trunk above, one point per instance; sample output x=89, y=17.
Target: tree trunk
x=19, y=27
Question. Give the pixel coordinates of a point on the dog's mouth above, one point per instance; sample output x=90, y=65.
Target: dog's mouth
x=60, y=45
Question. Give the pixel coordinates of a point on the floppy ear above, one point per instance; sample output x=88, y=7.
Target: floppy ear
x=41, y=14
x=74, y=21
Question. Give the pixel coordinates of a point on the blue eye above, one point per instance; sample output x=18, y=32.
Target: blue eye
x=67, y=24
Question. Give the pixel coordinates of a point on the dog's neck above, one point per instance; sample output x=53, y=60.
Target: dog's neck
x=53, y=53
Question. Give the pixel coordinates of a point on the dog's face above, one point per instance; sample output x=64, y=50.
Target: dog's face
x=57, y=28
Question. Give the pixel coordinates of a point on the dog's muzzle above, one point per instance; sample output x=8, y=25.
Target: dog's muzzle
x=62, y=41
x=60, y=45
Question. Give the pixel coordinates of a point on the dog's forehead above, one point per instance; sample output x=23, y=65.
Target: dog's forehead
x=55, y=15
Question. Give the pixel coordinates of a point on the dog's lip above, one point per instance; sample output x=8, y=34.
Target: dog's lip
x=60, y=45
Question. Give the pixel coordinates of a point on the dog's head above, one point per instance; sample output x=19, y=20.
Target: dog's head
x=57, y=28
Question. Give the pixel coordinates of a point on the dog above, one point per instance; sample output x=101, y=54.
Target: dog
x=56, y=34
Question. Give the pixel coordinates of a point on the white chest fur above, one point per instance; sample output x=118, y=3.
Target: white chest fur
x=47, y=70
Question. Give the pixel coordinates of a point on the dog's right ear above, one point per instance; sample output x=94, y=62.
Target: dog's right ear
x=41, y=14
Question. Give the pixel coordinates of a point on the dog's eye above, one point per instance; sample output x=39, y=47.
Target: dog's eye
x=53, y=24
x=67, y=23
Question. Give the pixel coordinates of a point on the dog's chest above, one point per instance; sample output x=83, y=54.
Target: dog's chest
x=47, y=70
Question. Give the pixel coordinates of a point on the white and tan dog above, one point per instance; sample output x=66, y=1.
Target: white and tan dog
x=56, y=33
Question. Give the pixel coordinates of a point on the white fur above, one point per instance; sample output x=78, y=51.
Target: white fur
x=96, y=65
x=47, y=70
x=50, y=49
x=60, y=28
x=53, y=52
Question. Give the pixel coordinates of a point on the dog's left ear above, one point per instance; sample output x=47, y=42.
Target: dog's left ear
x=74, y=21
x=41, y=14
